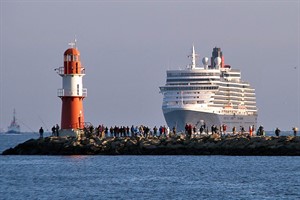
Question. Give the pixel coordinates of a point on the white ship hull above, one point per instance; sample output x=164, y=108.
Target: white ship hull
x=13, y=130
x=179, y=117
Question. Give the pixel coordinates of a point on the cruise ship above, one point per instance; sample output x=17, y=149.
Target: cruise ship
x=209, y=95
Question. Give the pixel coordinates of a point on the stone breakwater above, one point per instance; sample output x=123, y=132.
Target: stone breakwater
x=177, y=145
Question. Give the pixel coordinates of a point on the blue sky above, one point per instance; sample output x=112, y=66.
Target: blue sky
x=127, y=46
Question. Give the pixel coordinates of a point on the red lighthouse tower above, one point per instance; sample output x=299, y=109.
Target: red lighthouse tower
x=72, y=92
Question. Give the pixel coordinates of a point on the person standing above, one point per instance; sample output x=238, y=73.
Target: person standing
x=132, y=131
x=57, y=130
x=201, y=130
x=295, y=129
x=251, y=131
x=194, y=130
x=190, y=131
x=53, y=130
x=233, y=130
x=186, y=129
x=174, y=130
x=167, y=131
x=41, y=131
x=224, y=129
x=155, y=131
x=277, y=132
x=212, y=129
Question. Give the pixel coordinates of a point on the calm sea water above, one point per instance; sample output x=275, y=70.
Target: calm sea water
x=146, y=177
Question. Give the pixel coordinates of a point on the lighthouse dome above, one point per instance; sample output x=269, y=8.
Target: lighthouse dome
x=72, y=51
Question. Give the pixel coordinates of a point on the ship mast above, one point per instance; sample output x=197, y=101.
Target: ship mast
x=14, y=117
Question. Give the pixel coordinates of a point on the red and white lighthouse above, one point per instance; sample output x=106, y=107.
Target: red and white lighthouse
x=72, y=92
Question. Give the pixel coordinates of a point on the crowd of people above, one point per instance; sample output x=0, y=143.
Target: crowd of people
x=190, y=131
x=220, y=130
x=126, y=131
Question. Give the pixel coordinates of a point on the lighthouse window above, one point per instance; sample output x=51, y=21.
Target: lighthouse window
x=75, y=58
x=77, y=89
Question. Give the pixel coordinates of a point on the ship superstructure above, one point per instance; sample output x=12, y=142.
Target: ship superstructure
x=208, y=95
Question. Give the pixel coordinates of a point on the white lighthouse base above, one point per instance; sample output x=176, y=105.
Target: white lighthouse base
x=71, y=132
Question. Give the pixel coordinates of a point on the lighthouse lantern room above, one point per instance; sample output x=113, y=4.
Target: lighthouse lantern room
x=72, y=92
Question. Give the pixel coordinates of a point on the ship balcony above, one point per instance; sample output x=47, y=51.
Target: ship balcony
x=70, y=93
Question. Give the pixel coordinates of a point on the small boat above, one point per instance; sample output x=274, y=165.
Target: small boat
x=14, y=127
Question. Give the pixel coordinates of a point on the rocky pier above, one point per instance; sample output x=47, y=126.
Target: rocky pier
x=176, y=145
